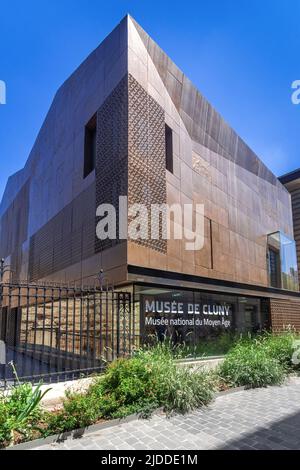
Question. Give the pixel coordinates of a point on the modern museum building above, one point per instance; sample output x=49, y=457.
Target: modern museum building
x=128, y=122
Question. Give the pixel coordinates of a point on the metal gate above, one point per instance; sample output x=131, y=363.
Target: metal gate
x=55, y=333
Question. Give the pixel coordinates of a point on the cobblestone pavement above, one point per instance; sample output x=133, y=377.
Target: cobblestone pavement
x=253, y=419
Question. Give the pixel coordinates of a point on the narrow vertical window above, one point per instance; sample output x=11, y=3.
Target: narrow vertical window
x=169, y=149
x=90, y=144
x=274, y=268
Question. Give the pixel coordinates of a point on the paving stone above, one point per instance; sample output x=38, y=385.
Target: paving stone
x=258, y=419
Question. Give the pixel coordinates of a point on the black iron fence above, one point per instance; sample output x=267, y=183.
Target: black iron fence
x=55, y=333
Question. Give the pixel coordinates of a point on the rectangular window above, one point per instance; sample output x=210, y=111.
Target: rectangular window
x=274, y=268
x=90, y=144
x=282, y=262
x=169, y=149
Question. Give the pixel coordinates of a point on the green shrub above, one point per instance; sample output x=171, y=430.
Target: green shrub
x=280, y=347
x=5, y=424
x=151, y=380
x=20, y=413
x=250, y=364
x=147, y=381
x=79, y=411
x=129, y=386
x=184, y=389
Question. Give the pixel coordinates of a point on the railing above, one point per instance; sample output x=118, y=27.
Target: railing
x=55, y=332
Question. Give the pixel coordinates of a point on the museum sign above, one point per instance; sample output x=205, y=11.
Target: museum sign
x=160, y=313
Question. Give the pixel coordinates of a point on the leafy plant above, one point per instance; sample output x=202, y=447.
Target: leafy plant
x=79, y=411
x=280, y=347
x=129, y=386
x=141, y=384
x=249, y=364
x=20, y=410
x=149, y=380
x=185, y=389
x=152, y=379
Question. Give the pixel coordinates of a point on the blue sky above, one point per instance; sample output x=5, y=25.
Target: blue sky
x=243, y=56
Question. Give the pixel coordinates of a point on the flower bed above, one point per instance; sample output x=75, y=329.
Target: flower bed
x=147, y=381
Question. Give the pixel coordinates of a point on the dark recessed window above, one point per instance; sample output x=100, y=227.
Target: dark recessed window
x=90, y=144
x=274, y=268
x=169, y=149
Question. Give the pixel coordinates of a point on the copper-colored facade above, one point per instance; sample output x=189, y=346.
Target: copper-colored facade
x=132, y=86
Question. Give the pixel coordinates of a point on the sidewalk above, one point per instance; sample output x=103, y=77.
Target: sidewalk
x=253, y=419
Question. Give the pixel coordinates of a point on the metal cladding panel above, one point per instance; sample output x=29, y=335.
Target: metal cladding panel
x=112, y=154
x=131, y=154
x=146, y=159
x=14, y=230
x=14, y=223
x=61, y=242
x=203, y=122
x=285, y=314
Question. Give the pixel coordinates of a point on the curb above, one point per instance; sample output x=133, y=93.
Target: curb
x=76, y=434
x=230, y=391
x=198, y=360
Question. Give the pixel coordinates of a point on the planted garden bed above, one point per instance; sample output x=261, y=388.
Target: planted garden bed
x=149, y=380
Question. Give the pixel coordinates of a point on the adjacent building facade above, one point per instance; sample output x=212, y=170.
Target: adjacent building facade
x=128, y=122
x=292, y=183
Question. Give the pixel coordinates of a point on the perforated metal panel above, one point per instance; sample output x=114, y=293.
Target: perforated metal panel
x=146, y=156
x=131, y=153
x=112, y=153
x=14, y=223
x=285, y=313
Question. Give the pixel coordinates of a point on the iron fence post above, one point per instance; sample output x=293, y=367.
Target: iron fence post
x=2, y=261
x=2, y=337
